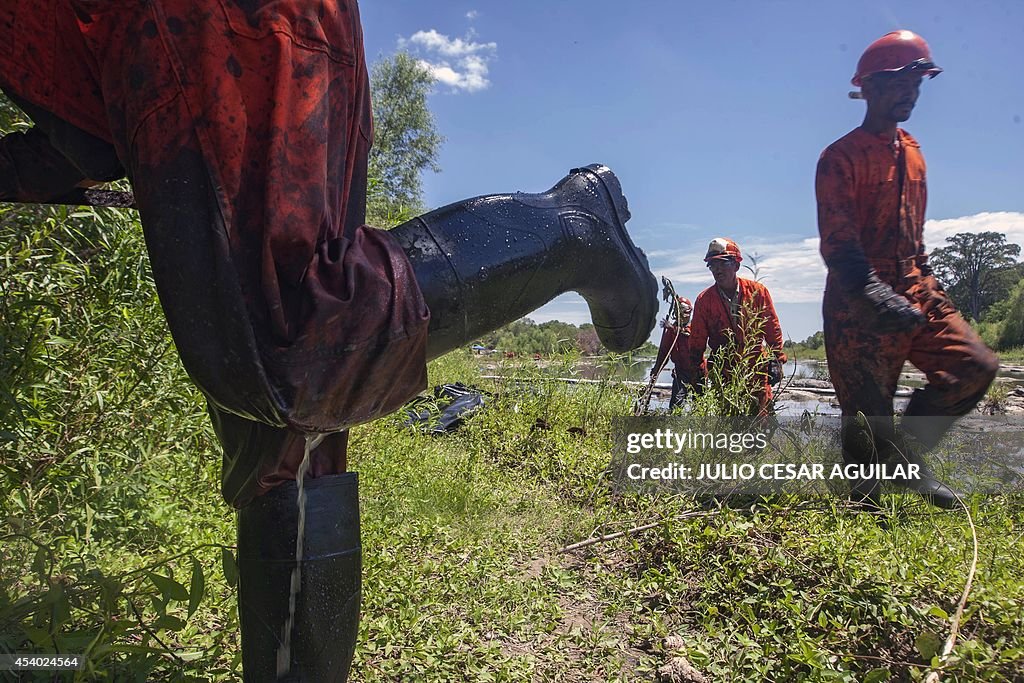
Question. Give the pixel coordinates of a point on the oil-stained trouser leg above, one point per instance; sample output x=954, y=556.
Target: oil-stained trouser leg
x=680, y=388
x=865, y=367
x=858, y=443
x=32, y=170
x=958, y=365
x=93, y=158
x=184, y=235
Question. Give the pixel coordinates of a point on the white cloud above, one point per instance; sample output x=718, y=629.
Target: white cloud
x=1010, y=223
x=461, y=64
x=569, y=308
x=794, y=271
x=472, y=14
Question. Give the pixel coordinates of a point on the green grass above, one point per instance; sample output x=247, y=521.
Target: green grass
x=114, y=540
x=801, y=352
x=1013, y=355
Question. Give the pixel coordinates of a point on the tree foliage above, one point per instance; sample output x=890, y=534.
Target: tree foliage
x=405, y=138
x=815, y=341
x=527, y=337
x=977, y=269
x=1011, y=332
x=107, y=457
x=1003, y=325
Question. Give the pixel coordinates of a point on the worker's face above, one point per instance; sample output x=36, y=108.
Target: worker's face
x=892, y=96
x=724, y=271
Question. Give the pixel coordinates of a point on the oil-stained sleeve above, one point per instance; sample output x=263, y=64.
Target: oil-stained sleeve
x=837, y=219
x=772, y=327
x=699, y=331
x=668, y=337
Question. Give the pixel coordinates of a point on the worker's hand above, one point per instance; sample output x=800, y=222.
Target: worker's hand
x=774, y=371
x=895, y=312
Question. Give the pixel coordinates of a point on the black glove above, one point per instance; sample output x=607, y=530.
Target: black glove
x=895, y=312
x=774, y=371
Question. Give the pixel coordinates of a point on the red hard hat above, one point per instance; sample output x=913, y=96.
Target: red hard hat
x=685, y=305
x=896, y=51
x=723, y=248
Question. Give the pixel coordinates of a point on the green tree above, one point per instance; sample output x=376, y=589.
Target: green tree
x=1003, y=325
x=405, y=139
x=978, y=269
x=815, y=341
x=524, y=336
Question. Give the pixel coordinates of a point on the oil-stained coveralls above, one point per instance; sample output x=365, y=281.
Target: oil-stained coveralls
x=715, y=325
x=675, y=346
x=244, y=128
x=871, y=208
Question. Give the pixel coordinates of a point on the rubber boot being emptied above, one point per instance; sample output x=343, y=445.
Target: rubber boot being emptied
x=485, y=262
x=313, y=638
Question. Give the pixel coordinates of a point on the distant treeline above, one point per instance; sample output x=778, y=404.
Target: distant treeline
x=525, y=337
x=982, y=276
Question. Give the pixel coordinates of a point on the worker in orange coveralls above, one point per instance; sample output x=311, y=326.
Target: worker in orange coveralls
x=244, y=128
x=675, y=346
x=725, y=312
x=882, y=305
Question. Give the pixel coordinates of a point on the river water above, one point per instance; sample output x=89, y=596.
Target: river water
x=795, y=401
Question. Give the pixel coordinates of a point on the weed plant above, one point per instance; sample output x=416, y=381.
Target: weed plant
x=737, y=371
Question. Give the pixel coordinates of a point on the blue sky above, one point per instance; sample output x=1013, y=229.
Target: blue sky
x=713, y=115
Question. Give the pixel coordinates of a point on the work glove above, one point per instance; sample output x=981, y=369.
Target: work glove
x=774, y=371
x=895, y=313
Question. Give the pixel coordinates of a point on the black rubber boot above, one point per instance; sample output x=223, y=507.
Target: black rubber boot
x=859, y=449
x=922, y=428
x=901, y=452
x=326, y=612
x=485, y=262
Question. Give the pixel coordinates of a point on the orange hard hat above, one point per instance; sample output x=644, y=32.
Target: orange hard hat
x=896, y=51
x=723, y=248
